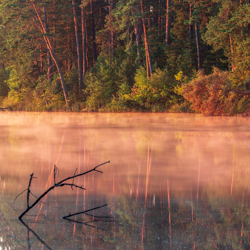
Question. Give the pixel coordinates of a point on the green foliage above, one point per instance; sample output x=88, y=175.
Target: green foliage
x=47, y=95
x=19, y=88
x=117, y=81
x=156, y=93
x=101, y=84
x=4, y=89
x=42, y=95
x=228, y=31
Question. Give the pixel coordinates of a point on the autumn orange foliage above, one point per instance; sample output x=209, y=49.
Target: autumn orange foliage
x=213, y=95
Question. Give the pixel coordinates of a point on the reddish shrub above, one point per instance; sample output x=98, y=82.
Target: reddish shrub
x=212, y=95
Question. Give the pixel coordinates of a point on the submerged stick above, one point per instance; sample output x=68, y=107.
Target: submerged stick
x=59, y=184
x=28, y=190
x=85, y=223
x=83, y=212
x=99, y=218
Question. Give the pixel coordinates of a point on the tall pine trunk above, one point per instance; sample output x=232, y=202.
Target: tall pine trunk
x=87, y=49
x=77, y=47
x=52, y=53
x=138, y=41
x=49, y=72
x=197, y=45
x=232, y=64
x=190, y=34
x=190, y=25
x=84, y=62
x=159, y=18
x=93, y=32
x=111, y=34
x=167, y=23
x=69, y=48
x=197, y=42
x=148, y=59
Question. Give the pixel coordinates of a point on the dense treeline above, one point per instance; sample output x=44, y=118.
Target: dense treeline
x=119, y=55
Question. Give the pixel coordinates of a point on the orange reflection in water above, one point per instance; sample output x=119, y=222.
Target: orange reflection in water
x=191, y=151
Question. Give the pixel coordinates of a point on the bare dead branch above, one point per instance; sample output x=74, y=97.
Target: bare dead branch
x=54, y=174
x=56, y=170
x=68, y=184
x=85, y=223
x=36, y=197
x=75, y=171
x=95, y=217
x=83, y=212
x=59, y=184
x=99, y=171
x=28, y=191
x=73, y=179
x=101, y=217
x=20, y=194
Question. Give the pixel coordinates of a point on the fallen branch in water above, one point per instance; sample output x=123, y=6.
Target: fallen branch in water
x=95, y=218
x=58, y=184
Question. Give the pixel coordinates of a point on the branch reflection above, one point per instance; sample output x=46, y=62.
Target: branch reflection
x=35, y=234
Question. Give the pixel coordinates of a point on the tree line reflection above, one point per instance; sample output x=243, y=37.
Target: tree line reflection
x=170, y=183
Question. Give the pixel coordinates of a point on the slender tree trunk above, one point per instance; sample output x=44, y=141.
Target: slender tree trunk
x=52, y=53
x=197, y=45
x=84, y=63
x=49, y=72
x=197, y=42
x=190, y=34
x=38, y=68
x=159, y=18
x=93, y=32
x=77, y=46
x=233, y=67
x=87, y=49
x=148, y=59
x=138, y=41
x=190, y=25
x=41, y=61
x=167, y=23
x=69, y=49
x=111, y=33
x=54, y=23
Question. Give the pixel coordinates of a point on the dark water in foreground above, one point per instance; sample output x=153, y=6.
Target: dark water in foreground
x=174, y=181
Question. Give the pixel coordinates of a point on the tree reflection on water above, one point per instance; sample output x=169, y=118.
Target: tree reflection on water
x=174, y=182
x=209, y=223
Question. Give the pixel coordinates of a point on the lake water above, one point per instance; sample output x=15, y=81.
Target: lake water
x=174, y=181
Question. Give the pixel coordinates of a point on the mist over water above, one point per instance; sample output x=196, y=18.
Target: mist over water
x=174, y=181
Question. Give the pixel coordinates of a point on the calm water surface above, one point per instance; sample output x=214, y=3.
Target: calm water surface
x=173, y=182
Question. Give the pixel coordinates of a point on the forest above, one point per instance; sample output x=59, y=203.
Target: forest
x=125, y=55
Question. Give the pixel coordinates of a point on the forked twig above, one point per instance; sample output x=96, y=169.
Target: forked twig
x=19, y=195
